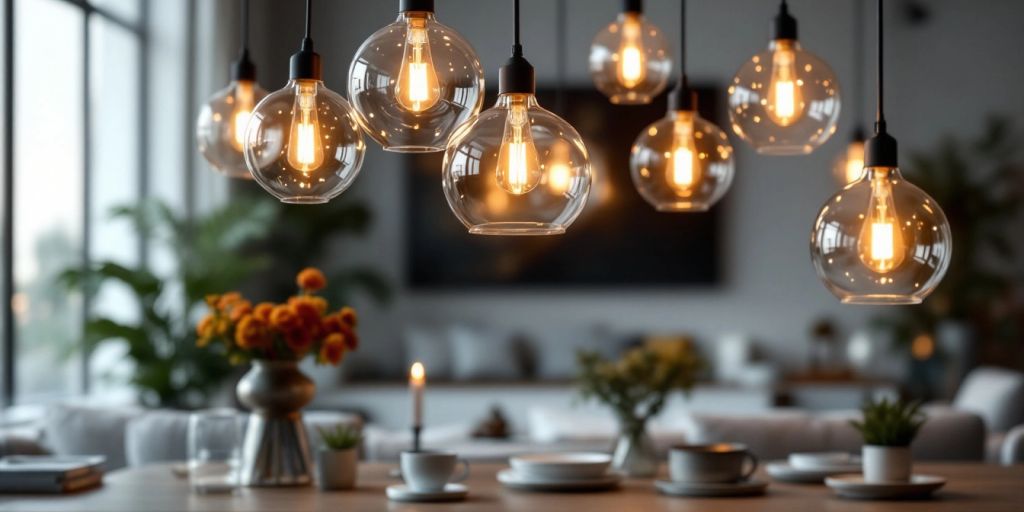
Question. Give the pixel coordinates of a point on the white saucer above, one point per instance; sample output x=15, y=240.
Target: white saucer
x=711, y=490
x=561, y=466
x=854, y=486
x=513, y=480
x=451, y=492
x=785, y=472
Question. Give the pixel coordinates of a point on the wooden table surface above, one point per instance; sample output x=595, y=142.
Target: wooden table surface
x=970, y=487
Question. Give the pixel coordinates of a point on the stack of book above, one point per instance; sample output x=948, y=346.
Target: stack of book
x=49, y=473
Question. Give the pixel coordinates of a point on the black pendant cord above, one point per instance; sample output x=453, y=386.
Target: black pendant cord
x=561, y=26
x=517, y=75
x=682, y=97
x=858, y=65
x=881, y=149
x=243, y=68
x=305, y=64
x=784, y=25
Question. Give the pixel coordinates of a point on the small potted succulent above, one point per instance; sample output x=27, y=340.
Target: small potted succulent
x=337, y=459
x=888, y=429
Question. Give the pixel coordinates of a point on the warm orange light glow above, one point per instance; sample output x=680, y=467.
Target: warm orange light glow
x=305, y=149
x=880, y=244
x=632, y=64
x=683, y=173
x=923, y=347
x=518, y=170
x=559, y=176
x=417, y=374
x=243, y=111
x=854, y=161
x=417, y=87
x=785, y=97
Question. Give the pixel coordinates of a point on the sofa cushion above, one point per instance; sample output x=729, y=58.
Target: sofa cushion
x=82, y=430
x=995, y=394
x=480, y=353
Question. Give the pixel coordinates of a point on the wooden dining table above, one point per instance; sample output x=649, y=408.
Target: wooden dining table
x=971, y=487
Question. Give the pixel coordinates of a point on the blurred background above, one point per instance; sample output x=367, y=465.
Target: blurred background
x=102, y=168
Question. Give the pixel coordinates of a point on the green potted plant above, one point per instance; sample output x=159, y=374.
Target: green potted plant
x=337, y=459
x=888, y=428
x=635, y=387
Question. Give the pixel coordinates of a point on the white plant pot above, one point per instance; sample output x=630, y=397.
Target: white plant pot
x=336, y=469
x=886, y=463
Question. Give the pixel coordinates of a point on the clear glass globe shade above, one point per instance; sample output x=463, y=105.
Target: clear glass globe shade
x=881, y=240
x=784, y=101
x=630, y=60
x=220, y=127
x=849, y=164
x=303, y=144
x=516, y=169
x=413, y=82
x=682, y=163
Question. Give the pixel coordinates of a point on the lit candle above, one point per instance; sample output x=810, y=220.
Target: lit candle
x=417, y=381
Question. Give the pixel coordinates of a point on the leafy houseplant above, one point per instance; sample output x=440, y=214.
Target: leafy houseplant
x=337, y=460
x=635, y=388
x=888, y=428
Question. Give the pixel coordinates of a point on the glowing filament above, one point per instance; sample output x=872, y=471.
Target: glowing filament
x=632, y=65
x=243, y=111
x=518, y=170
x=417, y=87
x=785, y=95
x=305, y=149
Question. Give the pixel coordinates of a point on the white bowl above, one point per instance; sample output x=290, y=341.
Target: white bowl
x=561, y=466
x=819, y=460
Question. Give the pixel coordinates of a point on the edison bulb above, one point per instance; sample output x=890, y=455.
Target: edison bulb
x=849, y=165
x=496, y=162
x=629, y=60
x=413, y=82
x=881, y=240
x=303, y=144
x=220, y=127
x=784, y=101
x=682, y=163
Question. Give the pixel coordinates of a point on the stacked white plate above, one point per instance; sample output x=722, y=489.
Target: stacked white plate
x=813, y=467
x=560, y=472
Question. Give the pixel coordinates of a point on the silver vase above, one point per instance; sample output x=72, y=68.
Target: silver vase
x=635, y=455
x=275, y=452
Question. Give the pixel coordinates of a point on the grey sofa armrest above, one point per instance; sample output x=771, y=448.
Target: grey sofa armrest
x=1012, y=451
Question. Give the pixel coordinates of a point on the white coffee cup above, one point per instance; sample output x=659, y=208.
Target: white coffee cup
x=710, y=463
x=429, y=471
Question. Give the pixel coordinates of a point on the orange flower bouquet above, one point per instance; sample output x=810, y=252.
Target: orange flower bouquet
x=304, y=325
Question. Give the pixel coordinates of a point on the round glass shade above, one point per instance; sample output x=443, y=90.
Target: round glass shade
x=784, y=101
x=220, y=128
x=413, y=82
x=630, y=60
x=303, y=144
x=516, y=169
x=682, y=163
x=881, y=240
x=849, y=164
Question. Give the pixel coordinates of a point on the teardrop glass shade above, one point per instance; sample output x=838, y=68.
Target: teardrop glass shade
x=630, y=60
x=413, y=82
x=303, y=144
x=516, y=169
x=784, y=101
x=220, y=127
x=881, y=240
x=682, y=163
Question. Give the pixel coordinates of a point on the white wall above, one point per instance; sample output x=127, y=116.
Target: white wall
x=943, y=77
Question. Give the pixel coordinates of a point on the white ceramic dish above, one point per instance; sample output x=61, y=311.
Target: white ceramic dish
x=819, y=460
x=451, y=492
x=514, y=480
x=784, y=472
x=854, y=486
x=561, y=466
x=711, y=490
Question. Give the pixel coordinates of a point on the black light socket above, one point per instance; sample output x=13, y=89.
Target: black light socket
x=636, y=6
x=517, y=75
x=682, y=97
x=242, y=69
x=415, y=5
x=305, y=64
x=784, y=25
x=881, y=150
x=858, y=134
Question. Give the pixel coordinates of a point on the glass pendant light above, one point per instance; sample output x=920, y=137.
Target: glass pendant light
x=303, y=144
x=515, y=168
x=682, y=163
x=629, y=58
x=784, y=101
x=220, y=128
x=849, y=163
x=414, y=81
x=881, y=240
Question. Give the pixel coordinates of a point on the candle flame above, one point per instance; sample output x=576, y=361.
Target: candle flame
x=417, y=374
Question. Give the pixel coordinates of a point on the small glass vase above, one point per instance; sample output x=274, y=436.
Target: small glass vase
x=635, y=455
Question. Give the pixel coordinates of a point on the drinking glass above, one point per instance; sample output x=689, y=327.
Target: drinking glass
x=214, y=450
